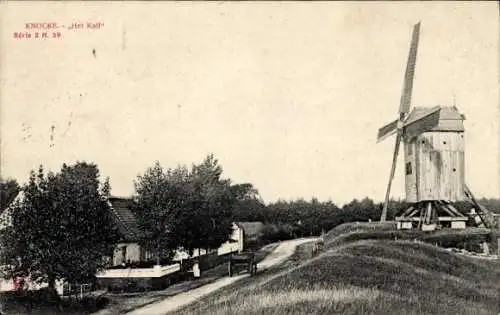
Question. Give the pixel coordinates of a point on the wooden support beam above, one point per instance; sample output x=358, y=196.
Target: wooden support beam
x=415, y=211
x=409, y=210
x=444, y=206
x=421, y=218
x=482, y=212
x=428, y=213
x=448, y=211
x=452, y=208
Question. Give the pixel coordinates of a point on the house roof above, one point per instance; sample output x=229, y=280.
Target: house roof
x=125, y=219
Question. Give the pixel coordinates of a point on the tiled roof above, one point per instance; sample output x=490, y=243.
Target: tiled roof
x=125, y=219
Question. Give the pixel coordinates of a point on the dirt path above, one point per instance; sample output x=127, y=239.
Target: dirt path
x=279, y=255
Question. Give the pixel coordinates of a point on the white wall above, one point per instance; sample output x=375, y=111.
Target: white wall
x=132, y=253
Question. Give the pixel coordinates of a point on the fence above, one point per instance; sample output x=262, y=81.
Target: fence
x=76, y=289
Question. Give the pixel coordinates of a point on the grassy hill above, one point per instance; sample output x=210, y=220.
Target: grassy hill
x=359, y=275
x=469, y=239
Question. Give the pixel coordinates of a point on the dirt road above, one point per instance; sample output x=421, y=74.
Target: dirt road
x=279, y=255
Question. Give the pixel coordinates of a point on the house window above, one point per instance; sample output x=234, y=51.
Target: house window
x=408, y=168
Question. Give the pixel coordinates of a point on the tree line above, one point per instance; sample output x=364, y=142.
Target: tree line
x=299, y=218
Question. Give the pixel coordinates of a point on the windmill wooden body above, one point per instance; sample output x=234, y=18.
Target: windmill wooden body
x=433, y=141
x=434, y=159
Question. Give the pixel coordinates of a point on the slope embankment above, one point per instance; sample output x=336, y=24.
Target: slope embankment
x=357, y=274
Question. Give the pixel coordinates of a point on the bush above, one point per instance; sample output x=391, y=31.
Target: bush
x=32, y=301
x=279, y=232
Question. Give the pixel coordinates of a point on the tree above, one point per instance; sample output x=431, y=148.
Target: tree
x=8, y=191
x=189, y=209
x=212, y=205
x=62, y=228
x=161, y=198
x=248, y=203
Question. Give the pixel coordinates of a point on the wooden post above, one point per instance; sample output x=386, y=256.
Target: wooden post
x=422, y=214
x=429, y=213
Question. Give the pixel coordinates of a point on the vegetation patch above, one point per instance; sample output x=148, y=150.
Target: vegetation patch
x=37, y=302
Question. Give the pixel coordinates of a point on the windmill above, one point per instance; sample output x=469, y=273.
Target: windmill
x=433, y=141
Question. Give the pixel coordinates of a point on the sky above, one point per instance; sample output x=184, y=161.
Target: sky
x=287, y=96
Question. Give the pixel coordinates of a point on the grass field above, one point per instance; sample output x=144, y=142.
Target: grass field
x=359, y=275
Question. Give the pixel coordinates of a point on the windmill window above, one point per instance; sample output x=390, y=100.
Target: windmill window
x=408, y=168
x=410, y=149
x=444, y=142
x=454, y=169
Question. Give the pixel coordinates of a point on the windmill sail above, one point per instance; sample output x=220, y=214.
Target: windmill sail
x=404, y=106
x=387, y=130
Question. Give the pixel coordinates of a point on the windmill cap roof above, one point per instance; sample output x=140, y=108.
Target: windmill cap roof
x=450, y=118
x=445, y=112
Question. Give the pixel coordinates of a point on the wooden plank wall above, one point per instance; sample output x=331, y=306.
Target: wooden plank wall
x=440, y=159
x=410, y=179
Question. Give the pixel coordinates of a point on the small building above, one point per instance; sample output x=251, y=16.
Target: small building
x=234, y=243
x=250, y=233
x=128, y=249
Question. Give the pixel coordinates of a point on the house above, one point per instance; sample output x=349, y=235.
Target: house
x=128, y=249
